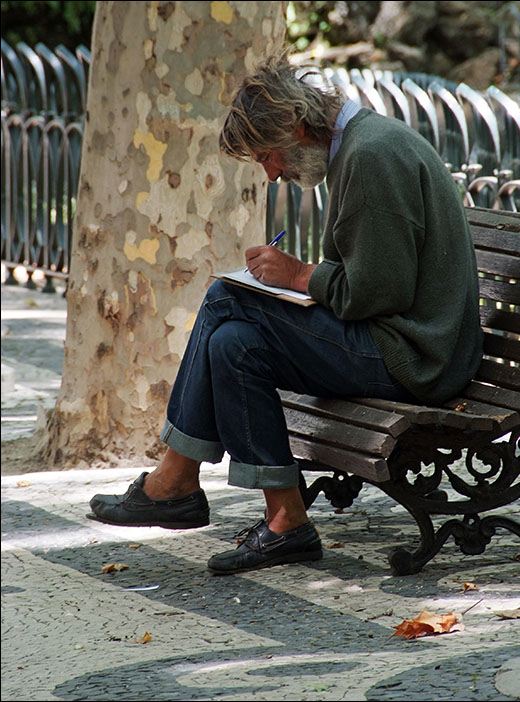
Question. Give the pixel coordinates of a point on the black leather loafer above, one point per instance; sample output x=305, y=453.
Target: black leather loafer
x=135, y=508
x=262, y=548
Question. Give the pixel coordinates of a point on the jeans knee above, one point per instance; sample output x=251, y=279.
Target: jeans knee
x=216, y=291
x=232, y=341
x=223, y=344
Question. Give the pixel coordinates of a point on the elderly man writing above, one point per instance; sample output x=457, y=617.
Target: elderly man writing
x=397, y=313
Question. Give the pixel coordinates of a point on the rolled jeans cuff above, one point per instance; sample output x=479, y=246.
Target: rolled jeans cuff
x=190, y=446
x=246, y=475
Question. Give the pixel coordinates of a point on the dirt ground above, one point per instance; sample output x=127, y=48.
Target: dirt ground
x=21, y=456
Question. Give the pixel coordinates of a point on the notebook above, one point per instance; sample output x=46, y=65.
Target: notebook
x=246, y=279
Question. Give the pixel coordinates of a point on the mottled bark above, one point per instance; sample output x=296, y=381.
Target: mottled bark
x=158, y=211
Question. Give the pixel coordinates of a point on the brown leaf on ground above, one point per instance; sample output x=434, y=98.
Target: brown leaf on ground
x=145, y=639
x=426, y=623
x=469, y=586
x=114, y=567
x=23, y=483
x=336, y=544
x=508, y=613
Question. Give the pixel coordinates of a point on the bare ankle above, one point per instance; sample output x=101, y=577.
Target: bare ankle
x=282, y=524
x=157, y=488
x=285, y=509
x=175, y=476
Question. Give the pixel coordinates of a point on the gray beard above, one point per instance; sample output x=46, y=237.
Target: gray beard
x=307, y=165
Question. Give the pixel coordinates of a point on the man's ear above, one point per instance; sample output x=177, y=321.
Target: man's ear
x=300, y=132
x=302, y=136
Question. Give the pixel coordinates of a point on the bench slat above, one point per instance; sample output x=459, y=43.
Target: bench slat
x=343, y=410
x=501, y=346
x=500, y=240
x=481, y=217
x=416, y=414
x=369, y=467
x=499, y=290
x=495, y=263
x=424, y=415
x=492, y=420
x=502, y=417
x=340, y=434
x=499, y=319
x=499, y=374
x=492, y=395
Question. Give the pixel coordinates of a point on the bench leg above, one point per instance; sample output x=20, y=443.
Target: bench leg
x=340, y=489
x=481, y=491
x=464, y=493
x=472, y=534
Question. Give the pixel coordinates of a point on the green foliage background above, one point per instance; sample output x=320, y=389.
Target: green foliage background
x=52, y=22
x=69, y=22
x=327, y=23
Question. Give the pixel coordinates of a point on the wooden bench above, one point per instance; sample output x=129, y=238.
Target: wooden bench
x=408, y=451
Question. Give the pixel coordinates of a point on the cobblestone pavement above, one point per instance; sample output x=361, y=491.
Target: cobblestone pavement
x=321, y=631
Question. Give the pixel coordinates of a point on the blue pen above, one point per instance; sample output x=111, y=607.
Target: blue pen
x=277, y=238
x=272, y=243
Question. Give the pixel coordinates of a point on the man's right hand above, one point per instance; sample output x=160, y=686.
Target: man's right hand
x=271, y=266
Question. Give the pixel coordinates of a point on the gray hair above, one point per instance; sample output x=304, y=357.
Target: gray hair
x=271, y=104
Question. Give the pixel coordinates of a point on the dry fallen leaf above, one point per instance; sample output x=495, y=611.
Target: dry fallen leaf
x=336, y=544
x=134, y=545
x=508, y=613
x=469, y=586
x=427, y=623
x=23, y=483
x=145, y=639
x=111, y=567
x=461, y=407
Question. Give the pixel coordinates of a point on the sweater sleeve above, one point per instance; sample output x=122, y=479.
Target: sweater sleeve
x=372, y=269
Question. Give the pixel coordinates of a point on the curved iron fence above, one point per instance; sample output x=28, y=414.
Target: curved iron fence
x=43, y=105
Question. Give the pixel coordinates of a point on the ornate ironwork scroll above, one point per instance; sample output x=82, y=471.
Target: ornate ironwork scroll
x=427, y=484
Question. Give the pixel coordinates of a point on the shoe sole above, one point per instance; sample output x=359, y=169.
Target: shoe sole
x=281, y=560
x=164, y=525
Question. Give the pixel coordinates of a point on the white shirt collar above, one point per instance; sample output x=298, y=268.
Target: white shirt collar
x=349, y=110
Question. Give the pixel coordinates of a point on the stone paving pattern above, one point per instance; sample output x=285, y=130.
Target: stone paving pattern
x=321, y=631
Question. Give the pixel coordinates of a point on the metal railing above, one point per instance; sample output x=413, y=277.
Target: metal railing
x=476, y=133
x=43, y=107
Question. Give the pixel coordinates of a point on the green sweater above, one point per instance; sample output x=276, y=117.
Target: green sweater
x=397, y=251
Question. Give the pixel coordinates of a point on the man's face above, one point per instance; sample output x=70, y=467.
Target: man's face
x=304, y=164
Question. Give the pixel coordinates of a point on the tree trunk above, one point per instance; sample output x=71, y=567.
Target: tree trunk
x=158, y=211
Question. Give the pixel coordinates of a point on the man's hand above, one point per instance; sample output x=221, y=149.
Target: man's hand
x=271, y=266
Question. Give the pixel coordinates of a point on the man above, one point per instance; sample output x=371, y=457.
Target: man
x=397, y=316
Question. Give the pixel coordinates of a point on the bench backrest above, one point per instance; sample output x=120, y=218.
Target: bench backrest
x=496, y=236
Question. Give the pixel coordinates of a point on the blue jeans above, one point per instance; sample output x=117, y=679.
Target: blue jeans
x=244, y=346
